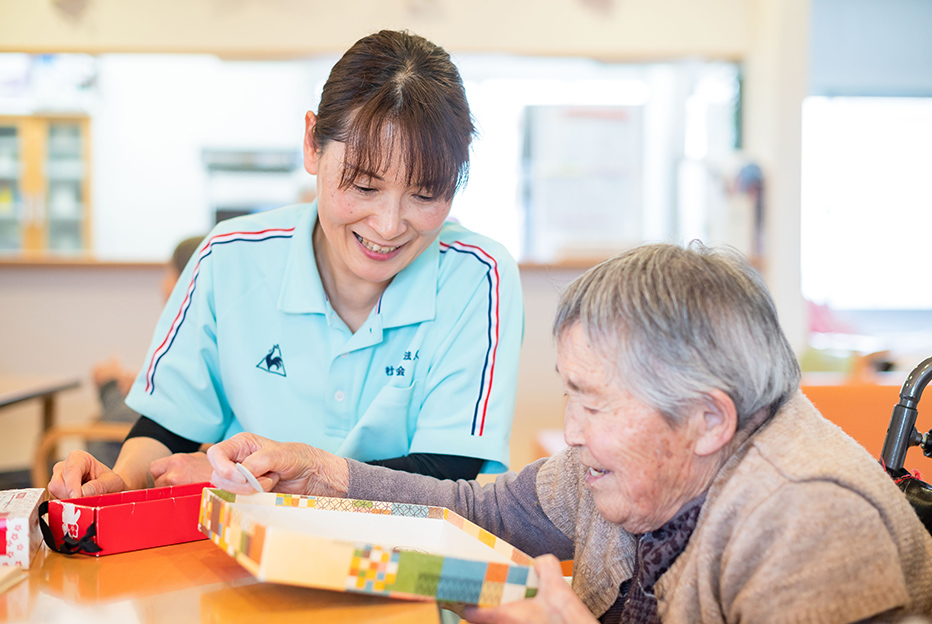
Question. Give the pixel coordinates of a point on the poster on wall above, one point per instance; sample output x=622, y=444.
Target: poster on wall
x=583, y=185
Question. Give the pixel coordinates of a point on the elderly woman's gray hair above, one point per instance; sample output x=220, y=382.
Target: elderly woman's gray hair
x=679, y=322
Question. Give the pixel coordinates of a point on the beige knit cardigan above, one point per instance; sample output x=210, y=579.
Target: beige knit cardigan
x=800, y=525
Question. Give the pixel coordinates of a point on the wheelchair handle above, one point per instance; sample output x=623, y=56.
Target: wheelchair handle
x=902, y=432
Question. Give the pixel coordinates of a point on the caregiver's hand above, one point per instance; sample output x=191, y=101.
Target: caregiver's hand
x=82, y=475
x=555, y=602
x=288, y=467
x=180, y=469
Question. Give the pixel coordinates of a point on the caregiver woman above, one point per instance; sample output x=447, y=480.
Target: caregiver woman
x=364, y=323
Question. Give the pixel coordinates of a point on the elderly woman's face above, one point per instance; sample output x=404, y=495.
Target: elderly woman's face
x=640, y=468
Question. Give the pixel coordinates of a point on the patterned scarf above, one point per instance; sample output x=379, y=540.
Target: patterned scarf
x=656, y=552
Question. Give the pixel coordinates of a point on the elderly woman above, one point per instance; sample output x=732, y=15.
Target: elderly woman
x=699, y=485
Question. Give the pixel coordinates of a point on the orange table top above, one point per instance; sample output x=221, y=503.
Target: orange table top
x=193, y=582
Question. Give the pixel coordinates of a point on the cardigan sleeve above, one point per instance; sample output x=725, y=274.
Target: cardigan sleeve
x=507, y=507
x=558, y=488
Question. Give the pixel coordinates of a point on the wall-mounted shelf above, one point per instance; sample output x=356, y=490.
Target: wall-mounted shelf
x=242, y=181
x=45, y=184
x=264, y=161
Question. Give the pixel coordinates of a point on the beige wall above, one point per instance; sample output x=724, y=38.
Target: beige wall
x=60, y=321
x=609, y=28
x=776, y=79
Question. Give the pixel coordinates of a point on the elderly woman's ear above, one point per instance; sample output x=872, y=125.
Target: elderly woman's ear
x=716, y=421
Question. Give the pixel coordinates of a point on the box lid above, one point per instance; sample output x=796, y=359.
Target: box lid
x=399, y=550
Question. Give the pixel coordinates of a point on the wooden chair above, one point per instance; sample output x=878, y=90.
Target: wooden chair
x=101, y=431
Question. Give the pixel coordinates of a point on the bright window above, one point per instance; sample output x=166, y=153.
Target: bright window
x=867, y=202
x=866, y=220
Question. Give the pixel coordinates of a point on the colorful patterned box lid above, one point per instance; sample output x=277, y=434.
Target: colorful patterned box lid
x=397, y=550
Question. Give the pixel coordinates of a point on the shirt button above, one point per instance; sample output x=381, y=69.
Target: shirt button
x=339, y=396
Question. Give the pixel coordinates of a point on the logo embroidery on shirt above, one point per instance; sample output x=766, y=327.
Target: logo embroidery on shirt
x=399, y=371
x=391, y=371
x=272, y=362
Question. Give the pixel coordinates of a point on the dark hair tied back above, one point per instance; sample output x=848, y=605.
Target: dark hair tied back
x=396, y=95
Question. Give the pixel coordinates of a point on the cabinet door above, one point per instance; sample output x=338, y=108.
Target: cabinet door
x=64, y=196
x=31, y=155
x=44, y=184
x=12, y=209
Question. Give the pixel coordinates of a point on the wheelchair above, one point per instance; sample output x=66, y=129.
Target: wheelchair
x=902, y=434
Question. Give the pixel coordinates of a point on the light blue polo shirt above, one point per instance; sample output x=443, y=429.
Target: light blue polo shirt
x=249, y=342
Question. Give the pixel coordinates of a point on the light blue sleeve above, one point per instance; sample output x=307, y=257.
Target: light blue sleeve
x=469, y=399
x=179, y=386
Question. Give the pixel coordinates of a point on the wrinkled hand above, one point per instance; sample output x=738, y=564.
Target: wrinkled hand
x=181, y=469
x=288, y=467
x=555, y=602
x=80, y=474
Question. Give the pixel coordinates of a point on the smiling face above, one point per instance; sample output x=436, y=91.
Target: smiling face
x=372, y=228
x=642, y=470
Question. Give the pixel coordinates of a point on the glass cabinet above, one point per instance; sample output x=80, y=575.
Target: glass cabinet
x=44, y=184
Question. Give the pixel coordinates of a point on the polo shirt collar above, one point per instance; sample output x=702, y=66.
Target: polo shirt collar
x=412, y=295
x=302, y=291
x=410, y=298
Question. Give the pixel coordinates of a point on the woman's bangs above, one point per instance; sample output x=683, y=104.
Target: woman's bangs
x=375, y=138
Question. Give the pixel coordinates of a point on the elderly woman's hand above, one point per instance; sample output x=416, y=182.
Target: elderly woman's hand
x=555, y=602
x=281, y=466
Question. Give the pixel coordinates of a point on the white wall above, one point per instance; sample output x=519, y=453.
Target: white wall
x=871, y=48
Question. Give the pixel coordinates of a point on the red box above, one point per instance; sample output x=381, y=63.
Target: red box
x=127, y=521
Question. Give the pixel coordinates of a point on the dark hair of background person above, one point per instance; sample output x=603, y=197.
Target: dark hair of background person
x=183, y=252
x=397, y=91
